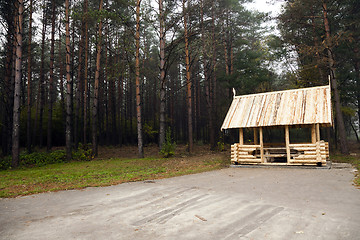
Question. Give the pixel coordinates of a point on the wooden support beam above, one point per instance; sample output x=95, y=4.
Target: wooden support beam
x=261, y=145
x=317, y=132
x=255, y=137
x=313, y=134
x=287, y=143
x=241, y=136
x=318, y=153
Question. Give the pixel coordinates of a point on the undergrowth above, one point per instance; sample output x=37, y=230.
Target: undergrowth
x=38, y=159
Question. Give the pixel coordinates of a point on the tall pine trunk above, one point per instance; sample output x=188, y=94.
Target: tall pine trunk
x=17, y=90
x=8, y=95
x=357, y=71
x=79, y=86
x=86, y=71
x=51, y=79
x=210, y=88
x=188, y=80
x=162, y=76
x=61, y=75
x=68, y=136
x=137, y=82
x=29, y=79
x=42, y=80
x=96, y=91
x=339, y=116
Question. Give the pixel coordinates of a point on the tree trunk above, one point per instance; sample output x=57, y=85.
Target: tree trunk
x=137, y=82
x=339, y=116
x=51, y=79
x=212, y=81
x=120, y=110
x=61, y=75
x=7, y=90
x=356, y=134
x=79, y=90
x=42, y=81
x=162, y=76
x=357, y=71
x=188, y=80
x=68, y=86
x=16, y=116
x=316, y=44
x=86, y=71
x=8, y=95
x=96, y=91
x=29, y=79
x=208, y=83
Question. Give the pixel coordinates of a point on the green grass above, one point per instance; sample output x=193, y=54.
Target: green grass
x=354, y=160
x=77, y=175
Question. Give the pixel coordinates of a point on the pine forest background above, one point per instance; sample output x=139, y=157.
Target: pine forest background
x=114, y=72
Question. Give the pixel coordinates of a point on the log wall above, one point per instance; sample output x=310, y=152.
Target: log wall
x=300, y=154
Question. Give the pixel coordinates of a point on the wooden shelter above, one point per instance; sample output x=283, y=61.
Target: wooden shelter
x=305, y=108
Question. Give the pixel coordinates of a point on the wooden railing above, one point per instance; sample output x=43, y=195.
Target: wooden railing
x=303, y=154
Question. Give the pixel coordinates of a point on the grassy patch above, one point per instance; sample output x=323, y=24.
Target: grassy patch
x=354, y=160
x=103, y=172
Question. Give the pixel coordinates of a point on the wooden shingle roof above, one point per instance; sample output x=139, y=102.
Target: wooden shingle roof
x=292, y=107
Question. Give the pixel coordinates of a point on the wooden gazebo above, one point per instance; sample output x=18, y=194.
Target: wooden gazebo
x=299, y=108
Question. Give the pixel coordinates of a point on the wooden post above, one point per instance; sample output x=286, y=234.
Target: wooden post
x=255, y=137
x=318, y=132
x=241, y=136
x=287, y=142
x=318, y=152
x=261, y=145
x=313, y=134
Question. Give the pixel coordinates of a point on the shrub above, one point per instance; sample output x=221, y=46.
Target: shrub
x=37, y=159
x=42, y=158
x=221, y=146
x=168, y=149
x=5, y=163
x=83, y=153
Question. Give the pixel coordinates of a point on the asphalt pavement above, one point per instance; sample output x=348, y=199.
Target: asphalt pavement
x=232, y=203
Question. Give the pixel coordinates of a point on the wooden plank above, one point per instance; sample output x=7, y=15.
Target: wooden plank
x=249, y=146
x=255, y=136
x=317, y=132
x=313, y=134
x=318, y=156
x=291, y=107
x=243, y=153
x=310, y=157
x=246, y=149
x=287, y=142
x=241, y=136
x=302, y=145
x=307, y=161
x=250, y=160
x=261, y=145
x=304, y=148
x=306, y=153
x=245, y=157
x=274, y=155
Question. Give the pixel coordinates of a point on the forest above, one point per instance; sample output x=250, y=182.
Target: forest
x=116, y=72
